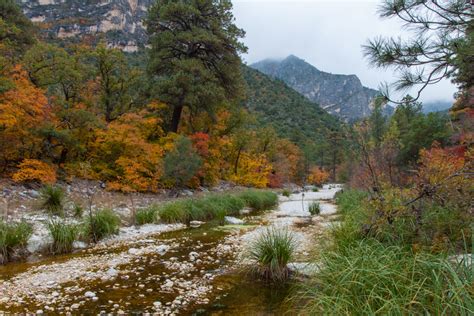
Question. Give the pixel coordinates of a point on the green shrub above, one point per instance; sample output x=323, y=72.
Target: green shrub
x=101, y=224
x=370, y=278
x=259, y=200
x=146, y=215
x=314, y=208
x=182, y=163
x=52, y=199
x=13, y=236
x=63, y=236
x=77, y=210
x=286, y=193
x=271, y=252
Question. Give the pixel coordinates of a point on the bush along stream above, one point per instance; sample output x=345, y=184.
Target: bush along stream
x=188, y=257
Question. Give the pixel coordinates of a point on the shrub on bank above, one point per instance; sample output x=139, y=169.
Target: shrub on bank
x=63, y=236
x=271, y=252
x=52, y=199
x=13, y=236
x=101, y=224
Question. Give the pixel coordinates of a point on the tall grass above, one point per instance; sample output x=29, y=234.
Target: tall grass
x=146, y=215
x=13, y=236
x=215, y=206
x=370, y=278
x=259, y=200
x=271, y=252
x=77, y=210
x=63, y=236
x=314, y=208
x=380, y=274
x=101, y=224
x=52, y=199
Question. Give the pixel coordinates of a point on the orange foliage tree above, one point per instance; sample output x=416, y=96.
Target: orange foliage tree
x=35, y=170
x=23, y=109
x=317, y=176
x=125, y=155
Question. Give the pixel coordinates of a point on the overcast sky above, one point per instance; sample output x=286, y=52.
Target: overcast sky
x=327, y=34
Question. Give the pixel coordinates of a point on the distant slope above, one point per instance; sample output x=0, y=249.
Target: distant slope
x=437, y=106
x=340, y=95
x=291, y=114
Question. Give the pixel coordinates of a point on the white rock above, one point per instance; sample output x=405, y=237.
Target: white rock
x=89, y=294
x=233, y=220
x=79, y=245
x=304, y=268
x=162, y=249
x=196, y=224
x=39, y=312
x=133, y=251
x=193, y=255
x=112, y=272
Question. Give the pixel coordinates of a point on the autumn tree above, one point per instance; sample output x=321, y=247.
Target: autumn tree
x=194, y=56
x=23, y=109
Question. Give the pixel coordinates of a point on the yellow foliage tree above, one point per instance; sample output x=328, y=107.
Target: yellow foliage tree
x=252, y=171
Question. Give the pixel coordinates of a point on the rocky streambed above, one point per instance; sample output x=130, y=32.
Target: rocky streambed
x=167, y=269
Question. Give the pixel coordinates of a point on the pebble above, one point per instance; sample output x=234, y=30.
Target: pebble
x=89, y=294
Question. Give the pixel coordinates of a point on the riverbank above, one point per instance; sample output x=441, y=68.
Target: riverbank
x=163, y=269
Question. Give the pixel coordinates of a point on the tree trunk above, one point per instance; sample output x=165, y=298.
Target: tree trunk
x=176, y=118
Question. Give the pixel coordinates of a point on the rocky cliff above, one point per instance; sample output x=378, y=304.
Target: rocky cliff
x=340, y=95
x=119, y=21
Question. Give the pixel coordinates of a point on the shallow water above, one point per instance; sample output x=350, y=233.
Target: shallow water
x=140, y=282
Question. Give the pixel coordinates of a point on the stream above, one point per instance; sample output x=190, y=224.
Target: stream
x=176, y=271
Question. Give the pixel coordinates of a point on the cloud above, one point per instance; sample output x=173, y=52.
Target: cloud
x=327, y=34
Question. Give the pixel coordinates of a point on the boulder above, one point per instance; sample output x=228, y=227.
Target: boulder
x=233, y=220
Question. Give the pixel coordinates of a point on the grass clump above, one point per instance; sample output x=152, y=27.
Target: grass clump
x=215, y=206
x=101, y=224
x=77, y=210
x=314, y=208
x=259, y=200
x=370, y=278
x=271, y=252
x=174, y=212
x=63, y=236
x=146, y=215
x=286, y=193
x=52, y=199
x=13, y=237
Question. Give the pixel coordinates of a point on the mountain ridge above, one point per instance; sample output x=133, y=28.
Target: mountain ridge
x=339, y=94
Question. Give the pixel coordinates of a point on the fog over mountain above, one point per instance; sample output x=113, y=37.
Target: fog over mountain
x=327, y=34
